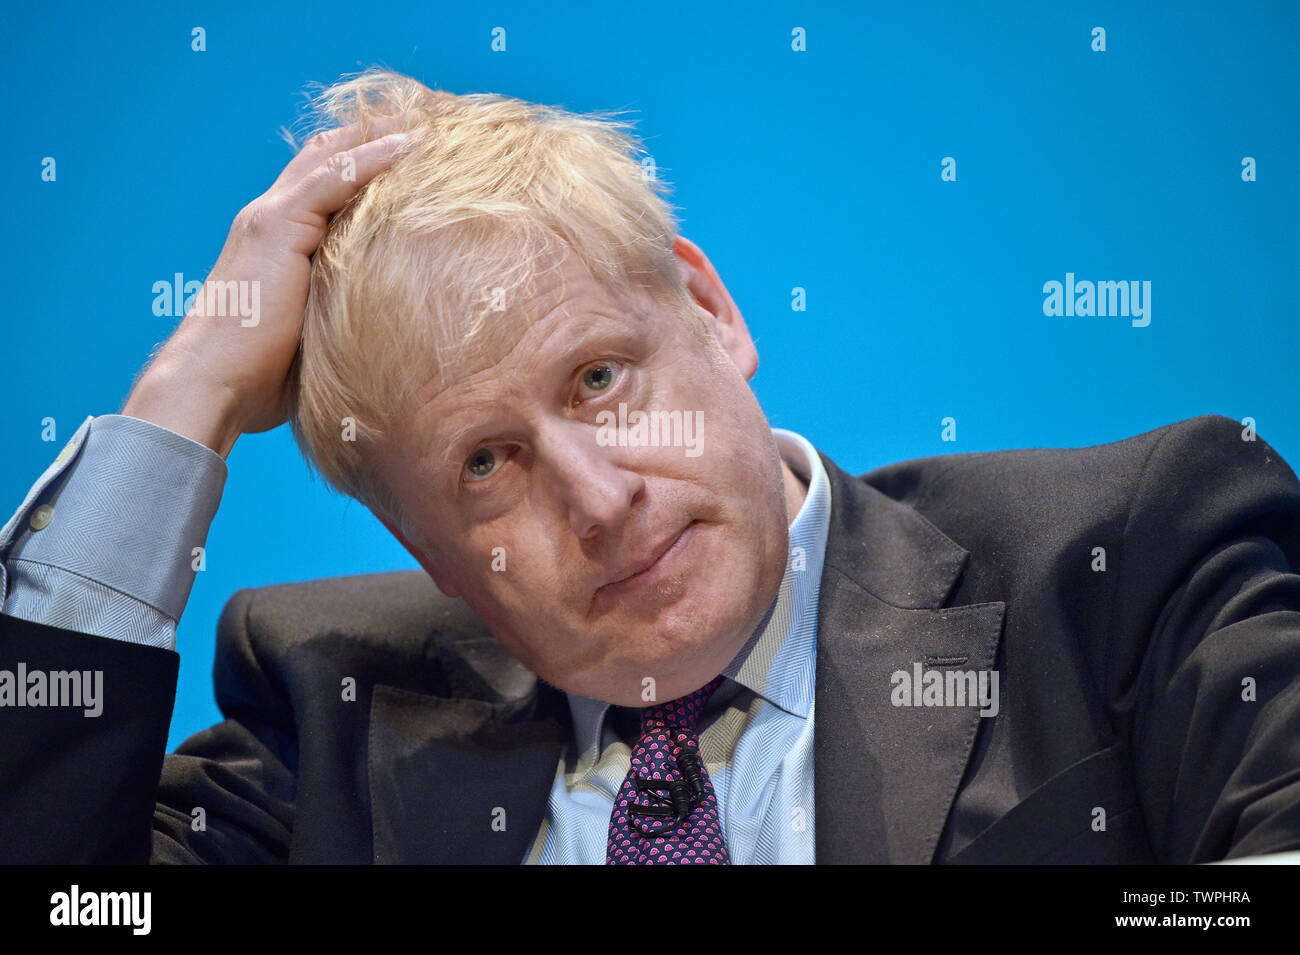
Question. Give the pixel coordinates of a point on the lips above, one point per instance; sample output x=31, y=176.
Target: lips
x=647, y=560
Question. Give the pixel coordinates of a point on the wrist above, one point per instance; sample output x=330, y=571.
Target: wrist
x=187, y=402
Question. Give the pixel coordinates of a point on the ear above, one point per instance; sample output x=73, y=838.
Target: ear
x=712, y=296
x=440, y=579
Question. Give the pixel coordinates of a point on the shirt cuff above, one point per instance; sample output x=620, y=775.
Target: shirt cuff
x=124, y=505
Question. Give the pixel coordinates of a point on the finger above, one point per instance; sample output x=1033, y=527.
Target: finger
x=331, y=184
x=322, y=146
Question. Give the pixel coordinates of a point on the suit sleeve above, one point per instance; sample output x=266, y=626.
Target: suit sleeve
x=96, y=572
x=1206, y=654
x=242, y=773
x=91, y=783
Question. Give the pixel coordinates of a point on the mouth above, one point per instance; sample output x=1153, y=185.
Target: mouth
x=650, y=568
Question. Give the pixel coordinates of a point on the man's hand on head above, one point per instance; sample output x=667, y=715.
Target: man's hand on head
x=222, y=373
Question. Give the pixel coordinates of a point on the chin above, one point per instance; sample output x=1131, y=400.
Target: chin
x=691, y=645
x=682, y=637
x=681, y=651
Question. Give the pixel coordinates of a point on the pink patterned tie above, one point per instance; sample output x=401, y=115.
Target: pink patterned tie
x=677, y=822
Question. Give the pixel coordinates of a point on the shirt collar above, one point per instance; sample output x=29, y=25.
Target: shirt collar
x=778, y=660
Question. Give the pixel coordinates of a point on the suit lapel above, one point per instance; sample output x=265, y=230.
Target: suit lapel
x=462, y=780
x=886, y=775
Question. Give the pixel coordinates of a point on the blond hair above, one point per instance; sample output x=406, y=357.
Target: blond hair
x=417, y=265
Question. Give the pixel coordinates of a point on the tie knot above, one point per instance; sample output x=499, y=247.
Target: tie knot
x=683, y=712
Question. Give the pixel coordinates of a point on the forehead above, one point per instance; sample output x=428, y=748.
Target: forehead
x=559, y=305
x=563, y=318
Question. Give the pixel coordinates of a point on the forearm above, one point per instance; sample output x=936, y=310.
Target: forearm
x=176, y=393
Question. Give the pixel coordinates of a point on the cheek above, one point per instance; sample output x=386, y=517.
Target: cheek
x=510, y=570
x=738, y=445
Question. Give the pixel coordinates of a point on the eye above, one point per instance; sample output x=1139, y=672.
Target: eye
x=483, y=463
x=600, y=376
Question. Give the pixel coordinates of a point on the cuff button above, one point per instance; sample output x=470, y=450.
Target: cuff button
x=41, y=517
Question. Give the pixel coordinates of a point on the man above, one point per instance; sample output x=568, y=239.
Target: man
x=665, y=632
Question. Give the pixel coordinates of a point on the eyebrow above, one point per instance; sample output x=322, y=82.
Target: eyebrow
x=454, y=440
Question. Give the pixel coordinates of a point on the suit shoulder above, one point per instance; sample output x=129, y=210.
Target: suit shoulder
x=381, y=608
x=1015, y=497
x=1191, y=446
x=981, y=477
x=280, y=645
x=1211, y=479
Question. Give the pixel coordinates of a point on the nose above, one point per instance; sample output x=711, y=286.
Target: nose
x=589, y=481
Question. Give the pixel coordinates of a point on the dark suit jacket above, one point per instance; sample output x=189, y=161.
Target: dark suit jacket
x=1125, y=690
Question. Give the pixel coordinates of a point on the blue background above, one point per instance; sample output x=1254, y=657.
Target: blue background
x=818, y=169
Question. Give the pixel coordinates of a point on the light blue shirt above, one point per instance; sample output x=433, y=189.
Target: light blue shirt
x=756, y=733
x=105, y=543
